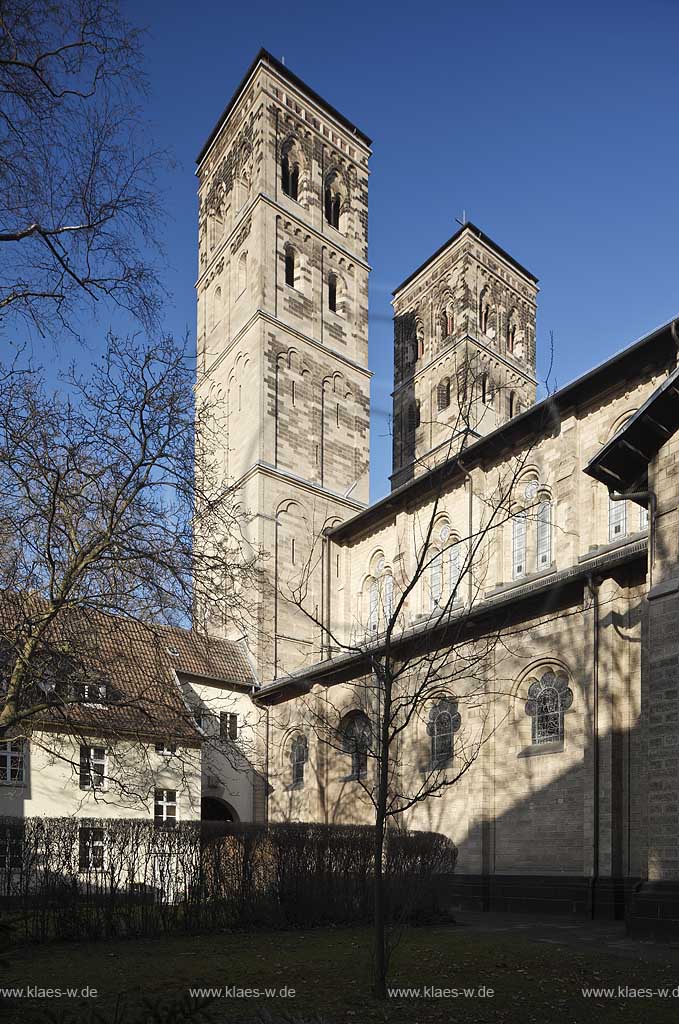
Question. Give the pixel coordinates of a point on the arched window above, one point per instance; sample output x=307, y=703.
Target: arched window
x=435, y=580
x=242, y=272
x=332, y=293
x=413, y=416
x=548, y=698
x=332, y=201
x=374, y=610
x=511, y=336
x=290, y=175
x=444, y=722
x=450, y=319
x=617, y=519
x=443, y=393
x=519, y=545
x=299, y=755
x=544, y=534
x=511, y=403
x=290, y=267
x=419, y=336
x=355, y=734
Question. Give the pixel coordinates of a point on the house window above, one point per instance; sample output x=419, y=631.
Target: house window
x=90, y=693
x=167, y=749
x=355, y=734
x=548, y=698
x=91, y=849
x=228, y=725
x=544, y=538
x=165, y=808
x=11, y=853
x=289, y=177
x=332, y=293
x=11, y=762
x=290, y=267
x=519, y=545
x=444, y=722
x=617, y=519
x=92, y=767
x=299, y=755
x=443, y=393
x=643, y=518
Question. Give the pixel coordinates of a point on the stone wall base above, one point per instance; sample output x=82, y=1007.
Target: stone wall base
x=654, y=911
x=607, y=899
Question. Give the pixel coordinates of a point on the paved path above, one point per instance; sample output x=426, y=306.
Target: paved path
x=571, y=931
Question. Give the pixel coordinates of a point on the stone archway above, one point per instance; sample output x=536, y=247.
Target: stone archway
x=212, y=809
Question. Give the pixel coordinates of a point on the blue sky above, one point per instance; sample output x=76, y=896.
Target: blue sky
x=553, y=125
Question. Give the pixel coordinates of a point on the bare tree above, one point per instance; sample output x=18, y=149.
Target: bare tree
x=78, y=197
x=419, y=646
x=99, y=509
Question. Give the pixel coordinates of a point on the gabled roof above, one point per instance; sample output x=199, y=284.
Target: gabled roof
x=136, y=662
x=622, y=464
x=483, y=237
x=264, y=57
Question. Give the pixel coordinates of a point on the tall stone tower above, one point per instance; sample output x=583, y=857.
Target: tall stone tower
x=282, y=335
x=464, y=359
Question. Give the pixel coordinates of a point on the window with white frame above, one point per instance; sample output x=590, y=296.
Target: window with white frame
x=643, y=518
x=519, y=545
x=165, y=808
x=544, y=534
x=92, y=767
x=90, y=693
x=166, y=749
x=91, y=849
x=12, y=762
x=617, y=519
x=549, y=697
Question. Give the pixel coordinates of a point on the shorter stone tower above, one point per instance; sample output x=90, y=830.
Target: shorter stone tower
x=464, y=350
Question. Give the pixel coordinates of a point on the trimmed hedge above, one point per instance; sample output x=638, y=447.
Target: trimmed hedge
x=98, y=878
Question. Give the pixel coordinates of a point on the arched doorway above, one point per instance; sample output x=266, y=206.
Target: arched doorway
x=212, y=809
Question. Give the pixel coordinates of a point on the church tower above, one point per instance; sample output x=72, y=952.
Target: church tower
x=282, y=334
x=464, y=350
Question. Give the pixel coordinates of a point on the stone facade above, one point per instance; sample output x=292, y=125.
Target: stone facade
x=492, y=528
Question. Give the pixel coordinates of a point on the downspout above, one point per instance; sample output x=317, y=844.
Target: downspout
x=470, y=523
x=652, y=516
x=325, y=597
x=593, y=587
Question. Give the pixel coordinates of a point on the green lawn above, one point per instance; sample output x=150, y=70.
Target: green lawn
x=330, y=972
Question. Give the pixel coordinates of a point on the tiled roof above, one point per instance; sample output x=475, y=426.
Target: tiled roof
x=136, y=662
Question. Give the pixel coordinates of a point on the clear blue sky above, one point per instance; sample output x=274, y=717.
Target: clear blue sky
x=553, y=125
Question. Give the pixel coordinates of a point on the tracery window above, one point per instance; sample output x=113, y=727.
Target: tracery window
x=355, y=734
x=444, y=722
x=548, y=699
x=299, y=755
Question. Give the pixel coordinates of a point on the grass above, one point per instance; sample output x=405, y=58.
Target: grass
x=329, y=969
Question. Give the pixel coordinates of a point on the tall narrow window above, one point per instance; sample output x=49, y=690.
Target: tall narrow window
x=436, y=579
x=165, y=808
x=92, y=767
x=548, y=698
x=544, y=538
x=519, y=545
x=228, y=725
x=242, y=273
x=289, y=177
x=444, y=722
x=356, y=734
x=292, y=550
x=617, y=519
x=332, y=293
x=454, y=564
x=443, y=393
x=511, y=403
x=290, y=268
x=374, y=610
x=484, y=388
x=90, y=849
x=511, y=336
x=292, y=392
x=299, y=755
x=332, y=207
x=643, y=518
x=388, y=597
